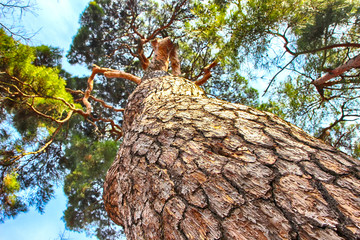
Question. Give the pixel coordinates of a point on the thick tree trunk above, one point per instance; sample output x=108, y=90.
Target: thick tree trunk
x=191, y=167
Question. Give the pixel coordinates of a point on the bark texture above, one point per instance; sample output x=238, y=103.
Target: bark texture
x=191, y=167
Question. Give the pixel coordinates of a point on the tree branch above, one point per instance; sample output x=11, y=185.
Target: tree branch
x=357, y=45
x=115, y=128
x=43, y=148
x=322, y=82
x=286, y=43
x=325, y=131
x=50, y=117
x=207, y=73
x=121, y=74
x=172, y=19
x=162, y=49
x=71, y=106
x=140, y=54
x=110, y=73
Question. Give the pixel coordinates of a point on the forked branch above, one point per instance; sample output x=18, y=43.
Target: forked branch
x=102, y=102
x=152, y=37
x=108, y=72
x=164, y=51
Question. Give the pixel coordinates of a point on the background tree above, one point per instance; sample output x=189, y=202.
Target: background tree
x=37, y=119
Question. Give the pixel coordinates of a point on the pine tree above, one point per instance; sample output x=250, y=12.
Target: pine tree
x=193, y=167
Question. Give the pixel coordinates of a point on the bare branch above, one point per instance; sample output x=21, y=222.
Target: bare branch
x=15, y=5
x=121, y=74
x=273, y=79
x=16, y=9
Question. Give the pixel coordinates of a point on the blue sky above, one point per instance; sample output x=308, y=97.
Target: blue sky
x=56, y=22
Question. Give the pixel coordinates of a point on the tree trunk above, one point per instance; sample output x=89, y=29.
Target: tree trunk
x=192, y=167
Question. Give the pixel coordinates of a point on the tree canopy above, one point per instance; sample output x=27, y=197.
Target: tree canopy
x=50, y=134
x=307, y=43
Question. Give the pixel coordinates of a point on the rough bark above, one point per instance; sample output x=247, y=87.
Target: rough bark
x=192, y=167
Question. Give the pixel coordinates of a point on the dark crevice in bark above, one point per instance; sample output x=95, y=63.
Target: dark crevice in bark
x=343, y=220
x=289, y=216
x=323, y=168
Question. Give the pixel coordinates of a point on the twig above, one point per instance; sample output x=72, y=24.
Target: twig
x=49, y=117
x=273, y=78
x=43, y=148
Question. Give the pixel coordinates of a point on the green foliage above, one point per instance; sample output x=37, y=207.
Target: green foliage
x=292, y=100
x=10, y=186
x=32, y=99
x=252, y=31
x=318, y=20
x=20, y=74
x=88, y=46
x=48, y=56
x=88, y=162
x=234, y=88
